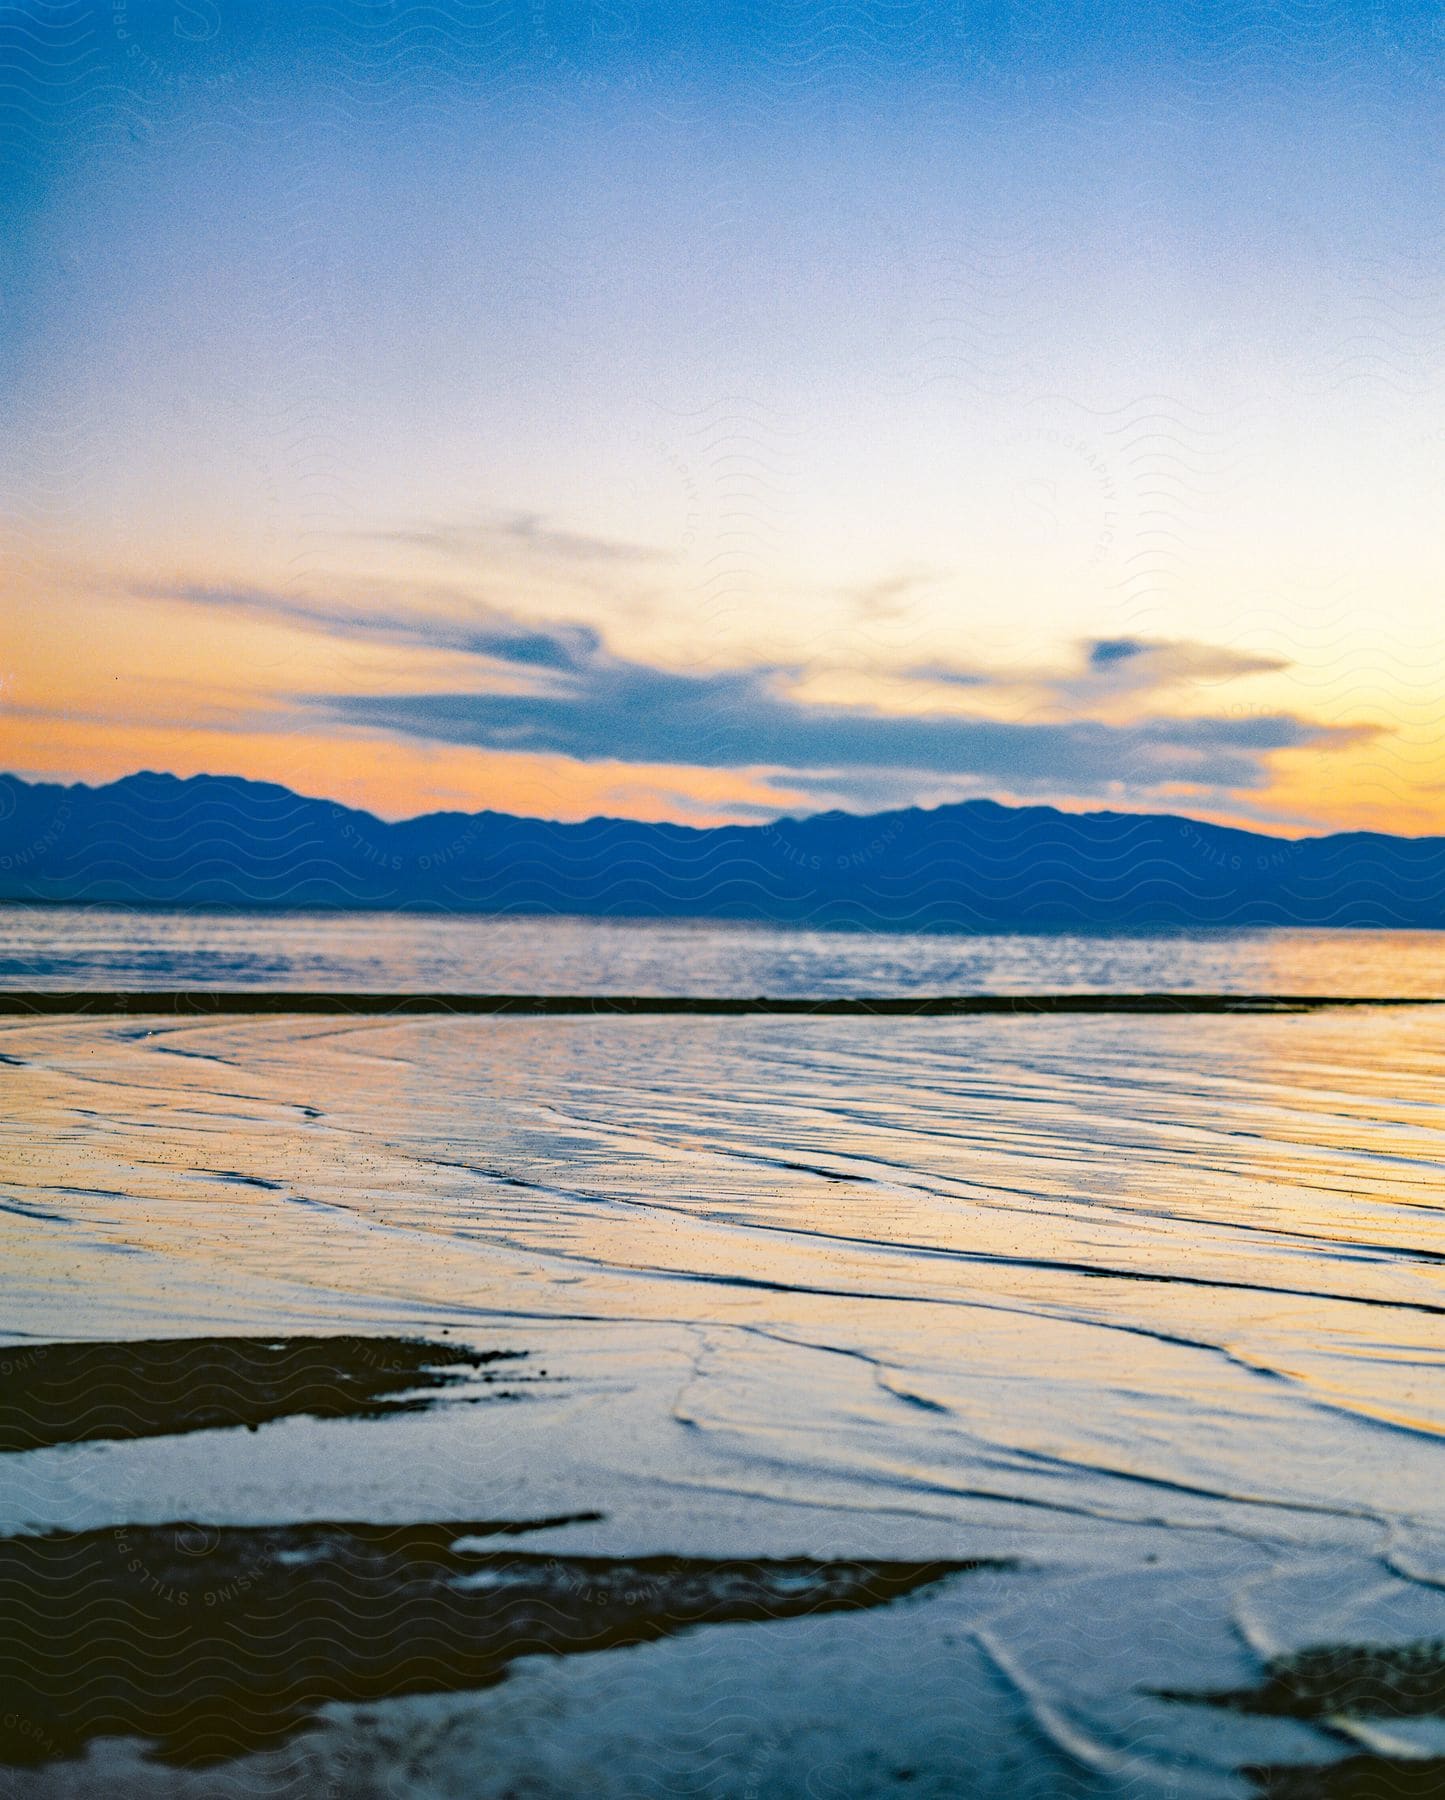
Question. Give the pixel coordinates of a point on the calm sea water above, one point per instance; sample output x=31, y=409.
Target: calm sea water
x=1153, y=1306
x=111, y=947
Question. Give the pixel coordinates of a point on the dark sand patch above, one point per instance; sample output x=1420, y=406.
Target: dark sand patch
x=1378, y=1681
x=211, y=1642
x=1356, y=1778
x=1341, y=1681
x=77, y=1393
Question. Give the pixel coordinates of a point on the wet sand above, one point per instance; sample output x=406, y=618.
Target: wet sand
x=1004, y=1406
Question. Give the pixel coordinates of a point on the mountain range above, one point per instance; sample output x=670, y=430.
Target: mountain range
x=156, y=840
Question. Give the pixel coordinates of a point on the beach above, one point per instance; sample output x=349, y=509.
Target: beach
x=819, y=1405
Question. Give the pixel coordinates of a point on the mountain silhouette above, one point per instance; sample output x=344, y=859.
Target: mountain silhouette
x=156, y=840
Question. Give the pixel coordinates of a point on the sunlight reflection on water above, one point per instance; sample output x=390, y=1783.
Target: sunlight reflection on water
x=110, y=946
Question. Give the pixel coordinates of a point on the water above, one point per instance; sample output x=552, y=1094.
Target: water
x=1152, y=1306
x=71, y=947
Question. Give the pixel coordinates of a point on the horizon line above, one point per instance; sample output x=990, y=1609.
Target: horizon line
x=1276, y=835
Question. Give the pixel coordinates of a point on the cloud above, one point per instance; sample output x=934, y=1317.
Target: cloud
x=1113, y=668
x=1104, y=653
x=1132, y=665
x=471, y=540
x=554, y=689
x=945, y=675
x=889, y=597
x=612, y=709
x=483, y=632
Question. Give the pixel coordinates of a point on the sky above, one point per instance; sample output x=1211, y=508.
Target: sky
x=712, y=412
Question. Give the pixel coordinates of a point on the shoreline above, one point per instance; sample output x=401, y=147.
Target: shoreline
x=30, y=1003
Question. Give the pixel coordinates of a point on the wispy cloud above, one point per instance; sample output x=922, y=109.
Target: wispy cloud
x=551, y=688
x=468, y=628
x=1137, y=665
x=474, y=540
x=632, y=712
x=890, y=597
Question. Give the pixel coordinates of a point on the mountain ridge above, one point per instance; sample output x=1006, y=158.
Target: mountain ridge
x=156, y=839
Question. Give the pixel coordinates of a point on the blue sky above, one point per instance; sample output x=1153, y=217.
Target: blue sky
x=828, y=382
